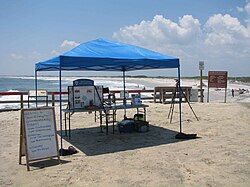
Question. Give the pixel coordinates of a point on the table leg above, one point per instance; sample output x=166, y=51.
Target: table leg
x=69, y=128
x=113, y=116
x=100, y=120
x=145, y=114
x=107, y=125
x=65, y=124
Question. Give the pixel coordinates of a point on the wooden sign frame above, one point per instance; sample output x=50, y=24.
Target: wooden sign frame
x=25, y=140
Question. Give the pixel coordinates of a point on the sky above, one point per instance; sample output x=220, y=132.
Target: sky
x=216, y=32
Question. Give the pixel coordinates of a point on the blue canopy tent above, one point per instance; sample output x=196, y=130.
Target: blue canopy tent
x=103, y=55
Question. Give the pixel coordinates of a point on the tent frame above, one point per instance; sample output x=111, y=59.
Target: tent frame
x=140, y=59
x=124, y=98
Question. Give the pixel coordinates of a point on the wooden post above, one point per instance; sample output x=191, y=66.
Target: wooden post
x=225, y=95
x=154, y=96
x=53, y=99
x=201, y=67
x=201, y=90
x=208, y=94
x=21, y=98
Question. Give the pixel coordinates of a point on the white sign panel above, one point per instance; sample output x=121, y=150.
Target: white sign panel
x=39, y=93
x=194, y=95
x=83, y=96
x=40, y=133
x=201, y=65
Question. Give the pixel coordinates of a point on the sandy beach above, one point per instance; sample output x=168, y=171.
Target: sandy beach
x=220, y=157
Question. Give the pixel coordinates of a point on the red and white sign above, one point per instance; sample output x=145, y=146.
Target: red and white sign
x=217, y=79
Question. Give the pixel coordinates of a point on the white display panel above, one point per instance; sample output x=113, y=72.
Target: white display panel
x=83, y=96
x=40, y=133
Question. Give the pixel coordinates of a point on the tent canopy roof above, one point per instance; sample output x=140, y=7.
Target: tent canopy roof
x=103, y=55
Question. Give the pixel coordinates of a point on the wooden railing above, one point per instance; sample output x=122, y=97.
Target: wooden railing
x=167, y=92
x=52, y=97
x=52, y=100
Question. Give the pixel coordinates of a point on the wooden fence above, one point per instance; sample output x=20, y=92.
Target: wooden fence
x=53, y=97
x=52, y=100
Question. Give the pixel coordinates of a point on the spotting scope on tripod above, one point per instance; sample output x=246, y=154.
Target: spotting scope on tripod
x=171, y=110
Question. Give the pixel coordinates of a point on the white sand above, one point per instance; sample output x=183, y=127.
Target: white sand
x=220, y=157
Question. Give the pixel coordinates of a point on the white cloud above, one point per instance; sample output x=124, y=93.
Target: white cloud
x=240, y=9
x=54, y=52
x=222, y=39
x=247, y=8
x=162, y=29
x=224, y=29
x=16, y=57
x=69, y=44
x=162, y=35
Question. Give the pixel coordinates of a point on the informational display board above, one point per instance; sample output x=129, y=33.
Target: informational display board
x=217, y=79
x=38, y=139
x=83, y=96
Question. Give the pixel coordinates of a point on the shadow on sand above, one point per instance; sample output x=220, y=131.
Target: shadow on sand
x=92, y=142
x=35, y=165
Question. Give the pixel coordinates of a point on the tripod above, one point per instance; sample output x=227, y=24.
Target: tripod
x=171, y=110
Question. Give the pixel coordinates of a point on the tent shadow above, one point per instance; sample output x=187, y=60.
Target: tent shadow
x=92, y=142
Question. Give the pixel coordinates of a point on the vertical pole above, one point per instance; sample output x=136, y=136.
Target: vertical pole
x=225, y=95
x=53, y=99
x=124, y=95
x=208, y=94
x=60, y=85
x=201, y=90
x=226, y=89
x=180, y=97
x=21, y=98
x=36, y=85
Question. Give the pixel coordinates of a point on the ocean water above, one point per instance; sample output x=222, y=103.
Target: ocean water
x=15, y=84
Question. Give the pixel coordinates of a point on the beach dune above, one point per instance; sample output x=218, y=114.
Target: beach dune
x=219, y=157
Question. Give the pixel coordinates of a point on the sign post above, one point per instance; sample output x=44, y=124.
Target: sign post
x=201, y=67
x=217, y=79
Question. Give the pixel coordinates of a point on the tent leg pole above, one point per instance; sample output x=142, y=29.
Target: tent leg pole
x=36, y=85
x=180, y=99
x=124, y=95
x=60, y=85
